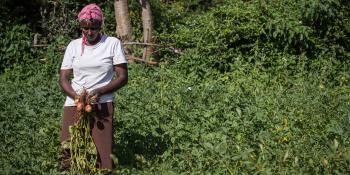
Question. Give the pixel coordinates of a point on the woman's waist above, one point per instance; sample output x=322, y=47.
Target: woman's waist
x=106, y=98
x=79, y=86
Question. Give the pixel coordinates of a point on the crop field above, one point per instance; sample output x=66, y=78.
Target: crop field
x=253, y=91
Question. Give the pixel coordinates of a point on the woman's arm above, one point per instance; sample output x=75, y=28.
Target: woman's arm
x=121, y=79
x=65, y=84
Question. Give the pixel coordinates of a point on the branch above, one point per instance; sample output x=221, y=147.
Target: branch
x=143, y=44
x=40, y=45
x=158, y=45
x=177, y=51
x=132, y=58
x=60, y=47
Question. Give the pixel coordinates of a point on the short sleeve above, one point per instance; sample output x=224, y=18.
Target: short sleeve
x=68, y=58
x=119, y=56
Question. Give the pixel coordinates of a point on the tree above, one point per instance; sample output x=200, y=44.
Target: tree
x=123, y=24
x=124, y=29
x=147, y=28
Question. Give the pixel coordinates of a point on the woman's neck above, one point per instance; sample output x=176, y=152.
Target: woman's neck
x=98, y=38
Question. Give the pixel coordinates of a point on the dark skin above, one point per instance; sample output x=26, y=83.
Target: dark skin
x=91, y=29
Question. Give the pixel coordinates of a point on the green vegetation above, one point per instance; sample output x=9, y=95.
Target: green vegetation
x=260, y=87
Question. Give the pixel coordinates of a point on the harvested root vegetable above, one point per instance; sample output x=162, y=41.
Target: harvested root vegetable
x=76, y=101
x=82, y=148
x=88, y=108
x=79, y=106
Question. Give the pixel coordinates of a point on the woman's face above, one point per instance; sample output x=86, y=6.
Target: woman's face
x=91, y=30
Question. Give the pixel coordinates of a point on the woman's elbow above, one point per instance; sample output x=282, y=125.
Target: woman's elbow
x=63, y=82
x=125, y=80
x=60, y=82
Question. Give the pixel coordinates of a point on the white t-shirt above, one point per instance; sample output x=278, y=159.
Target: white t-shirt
x=94, y=68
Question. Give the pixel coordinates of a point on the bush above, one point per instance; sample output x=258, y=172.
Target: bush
x=247, y=29
x=16, y=47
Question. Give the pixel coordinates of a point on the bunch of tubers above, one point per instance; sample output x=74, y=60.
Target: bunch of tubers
x=83, y=102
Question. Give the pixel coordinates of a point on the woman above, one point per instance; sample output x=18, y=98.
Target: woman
x=93, y=60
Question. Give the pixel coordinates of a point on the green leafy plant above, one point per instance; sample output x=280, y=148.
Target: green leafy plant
x=260, y=87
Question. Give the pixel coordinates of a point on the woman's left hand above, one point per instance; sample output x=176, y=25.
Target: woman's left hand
x=95, y=94
x=122, y=78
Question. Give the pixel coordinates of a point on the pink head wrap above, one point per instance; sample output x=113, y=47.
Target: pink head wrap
x=91, y=11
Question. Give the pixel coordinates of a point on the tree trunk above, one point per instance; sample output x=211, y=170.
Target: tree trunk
x=123, y=24
x=147, y=28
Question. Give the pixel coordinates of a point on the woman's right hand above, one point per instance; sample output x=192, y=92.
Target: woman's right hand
x=65, y=75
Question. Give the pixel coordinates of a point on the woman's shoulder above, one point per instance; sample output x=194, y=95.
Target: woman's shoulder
x=75, y=42
x=73, y=45
x=111, y=39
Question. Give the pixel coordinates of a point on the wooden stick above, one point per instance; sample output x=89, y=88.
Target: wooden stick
x=126, y=43
x=158, y=45
x=40, y=45
x=141, y=60
x=144, y=44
